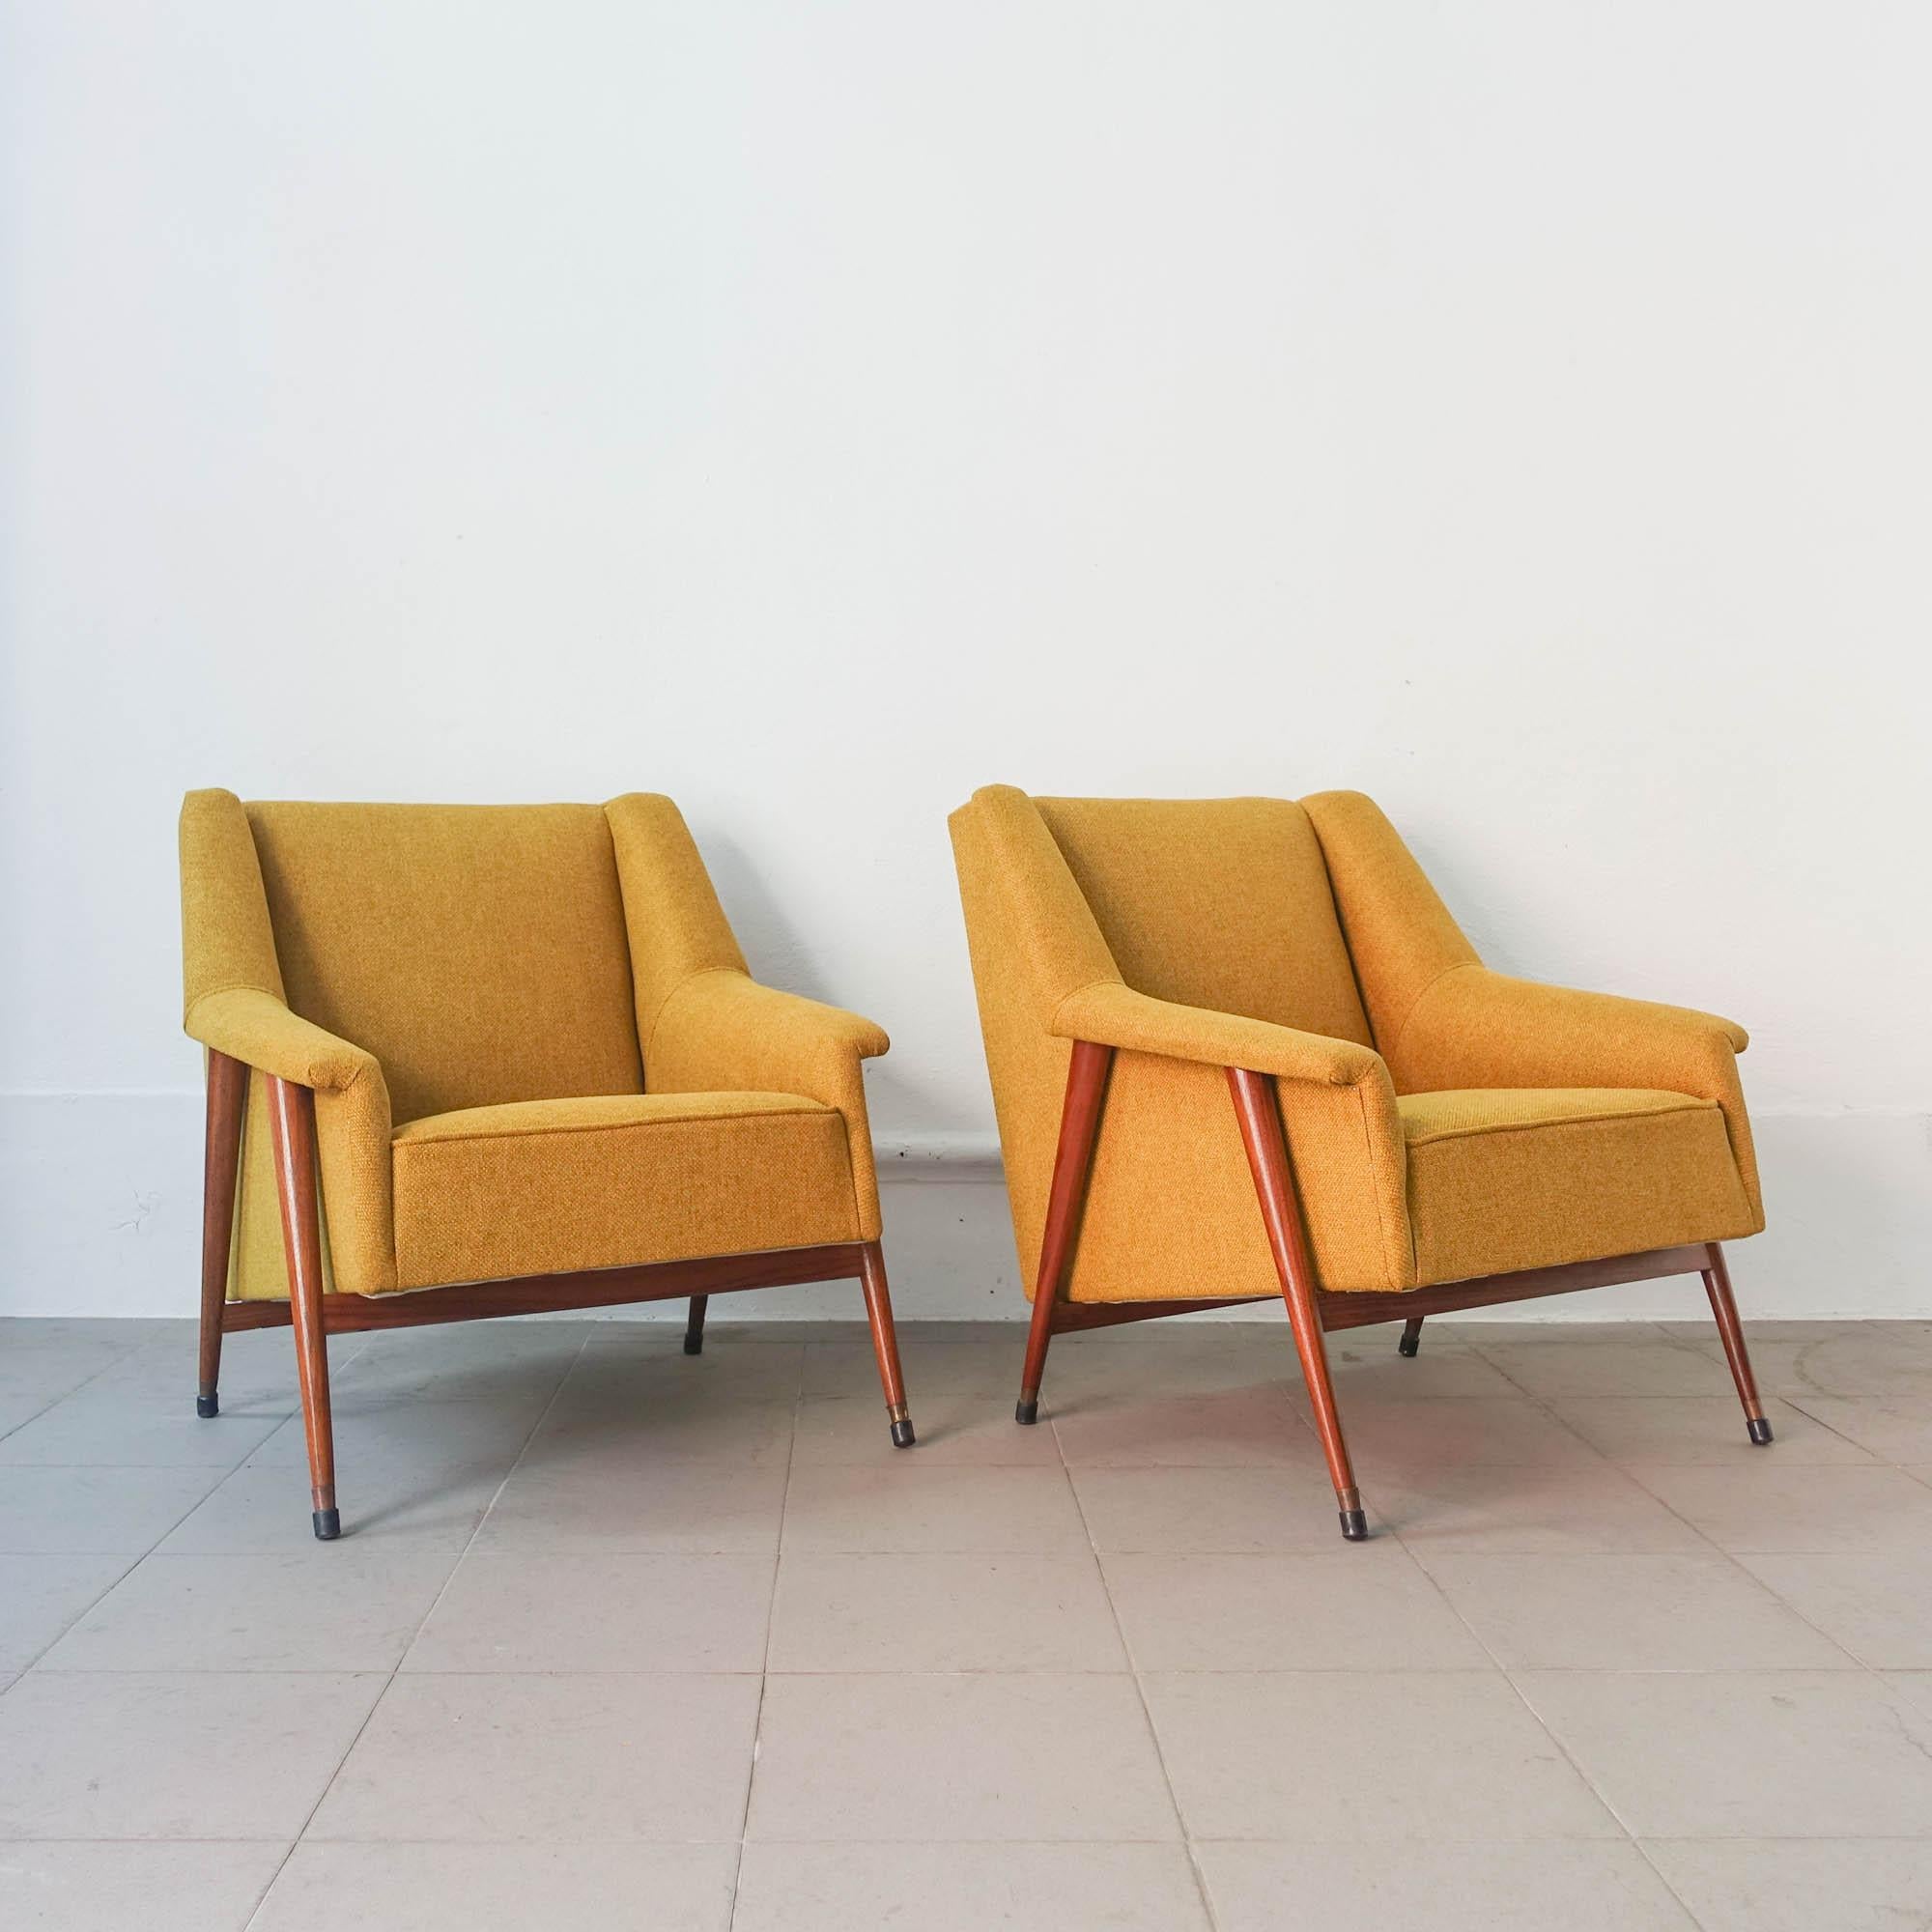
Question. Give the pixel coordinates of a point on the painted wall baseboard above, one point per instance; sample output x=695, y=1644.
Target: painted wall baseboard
x=100, y=1197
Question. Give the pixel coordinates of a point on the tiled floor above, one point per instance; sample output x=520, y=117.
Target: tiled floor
x=615, y=1639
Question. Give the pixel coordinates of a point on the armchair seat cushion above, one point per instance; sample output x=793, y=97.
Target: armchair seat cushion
x=614, y=1180
x=1501, y=1179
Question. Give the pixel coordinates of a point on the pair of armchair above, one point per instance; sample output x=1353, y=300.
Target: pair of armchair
x=515, y=1055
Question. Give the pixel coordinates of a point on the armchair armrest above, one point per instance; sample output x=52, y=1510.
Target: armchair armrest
x=722, y=1031
x=1475, y=1028
x=258, y=1029
x=1109, y=1013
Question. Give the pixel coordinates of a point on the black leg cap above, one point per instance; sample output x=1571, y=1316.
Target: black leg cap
x=328, y=1524
x=1760, y=1429
x=1354, y=1525
x=205, y=1406
x=694, y=1345
x=1027, y=1412
x=1407, y=1346
x=903, y=1435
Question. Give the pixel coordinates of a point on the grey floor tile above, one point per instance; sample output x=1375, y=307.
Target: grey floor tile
x=1771, y=1507
x=595, y=1502
x=106, y=1886
x=76, y=1511
x=951, y=1888
x=1744, y=1753
x=173, y=1755
x=327, y=1607
x=553, y=1760
x=1397, y=1439
x=637, y=1432
x=1605, y=1365
x=1609, y=1612
x=990, y=1369
x=1700, y=1430
x=1030, y=1757
x=263, y=1507
x=1242, y=1428
x=133, y=1431
x=381, y=1432
x=952, y=1429
x=527, y=1610
x=1175, y=1512
x=653, y=1368
x=1895, y=1428
x=509, y=1888
x=1877, y=1604
x=1347, y=1757
x=1580, y=1885
x=1346, y=1609
x=1505, y=1510
x=911, y=1506
x=1799, y=1884
x=39, y=1595
x=925, y=1612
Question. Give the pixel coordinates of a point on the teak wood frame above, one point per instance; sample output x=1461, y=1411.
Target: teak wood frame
x=315, y=1315
x=1312, y=1310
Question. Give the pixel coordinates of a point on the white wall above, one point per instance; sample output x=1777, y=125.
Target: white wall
x=1518, y=411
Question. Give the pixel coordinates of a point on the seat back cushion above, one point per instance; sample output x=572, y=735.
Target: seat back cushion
x=1222, y=904
x=478, y=951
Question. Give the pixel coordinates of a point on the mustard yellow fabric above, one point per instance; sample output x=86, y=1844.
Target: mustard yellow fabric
x=1505, y=1179
x=412, y=963
x=615, y=1180
x=1441, y=1120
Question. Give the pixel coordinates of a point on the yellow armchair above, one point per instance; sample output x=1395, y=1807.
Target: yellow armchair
x=466, y=1061
x=1193, y=1009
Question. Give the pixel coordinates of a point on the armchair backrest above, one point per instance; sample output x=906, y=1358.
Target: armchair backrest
x=480, y=952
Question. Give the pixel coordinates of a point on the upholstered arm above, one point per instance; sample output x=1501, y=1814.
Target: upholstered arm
x=1476, y=1028
x=257, y=1028
x=1111, y=1015
x=1338, y=1110
x=722, y=1031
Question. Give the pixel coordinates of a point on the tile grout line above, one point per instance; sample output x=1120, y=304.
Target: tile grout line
x=771, y=1622
x=1139, y=1689
x=395, y=1669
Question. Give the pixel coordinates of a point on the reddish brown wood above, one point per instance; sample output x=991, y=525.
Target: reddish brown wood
x=1260, y=1118
x=227, y=1091
x=586, y=1287
x=238, y=1316
x=1071, y=1316
x=292, y=1125
x=885, y=1342
x=1079, y=1122
x=1723, y=1305
x=1488, y=1290
x=693, y=1325
x=1411, y=1337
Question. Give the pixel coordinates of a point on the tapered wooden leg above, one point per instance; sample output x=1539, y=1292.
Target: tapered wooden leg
x=1411, y=1336
x=291, y=1124
x=227, y=1089
x=885, y=1342
x=1260, y=1118
x=694, y=1328
x=1079, y=1122
x=1724, y=1306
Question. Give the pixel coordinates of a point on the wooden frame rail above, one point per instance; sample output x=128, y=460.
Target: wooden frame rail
x=1312, y=1310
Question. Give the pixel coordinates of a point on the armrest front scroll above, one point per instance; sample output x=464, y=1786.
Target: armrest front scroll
x=1109, y=1013
x=255, y=1027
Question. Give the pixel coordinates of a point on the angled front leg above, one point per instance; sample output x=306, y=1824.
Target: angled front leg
x=1724, y=1306
x=291, y=1124
x=227, y=1090
x=1079, y=1124
x=1260, y=1118
x=885, y=1342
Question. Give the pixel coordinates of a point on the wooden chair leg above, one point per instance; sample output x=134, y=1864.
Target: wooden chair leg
x=227, y=1089
x=1411, y=1336
x=1079, y=1124
x=885, y=1342
x=1260, y=1119
x=694, y=1328
x=291, y=1123
x=1724, y=1306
